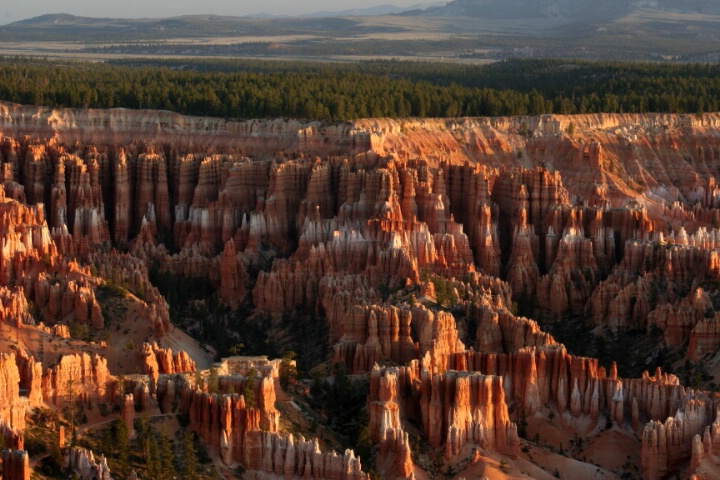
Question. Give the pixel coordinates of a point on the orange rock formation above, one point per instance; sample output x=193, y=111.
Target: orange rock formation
x=16, y=465
x=417, y=240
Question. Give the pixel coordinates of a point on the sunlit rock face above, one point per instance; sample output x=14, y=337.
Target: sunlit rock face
x=428, y=247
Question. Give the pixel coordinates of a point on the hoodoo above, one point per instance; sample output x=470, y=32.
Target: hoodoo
x=456, y=293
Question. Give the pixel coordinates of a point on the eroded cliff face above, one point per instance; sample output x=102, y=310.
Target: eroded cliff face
x=454, y=409
x=14, y=407
x=16, y=465
x=417, y=241
x=248, y=431
x=158, y=360
x=84, y=464
x=76, y=377
x=122, y=126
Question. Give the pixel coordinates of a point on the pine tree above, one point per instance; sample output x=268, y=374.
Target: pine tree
x=120, y=387
x=189, y=456
x=55, y=450
x=70, y=409
x=249, y=388
x=199, y=381
x=166, y=457
x=153, y=459
x=107, y=444
x=122, y=444
x=213, y=381
x=144, y=434
x=288, y=372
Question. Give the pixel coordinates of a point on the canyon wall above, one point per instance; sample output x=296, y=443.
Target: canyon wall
x=84, y=464
x=419, y=242
x=16, y=465
x=249, y=433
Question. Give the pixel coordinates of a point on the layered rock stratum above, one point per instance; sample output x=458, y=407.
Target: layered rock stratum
x=417, y=242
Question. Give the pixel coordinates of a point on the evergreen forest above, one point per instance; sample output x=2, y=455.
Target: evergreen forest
x=242, y=89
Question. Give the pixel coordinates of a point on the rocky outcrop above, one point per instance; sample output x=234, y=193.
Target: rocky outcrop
x=68, y=299
x=523, y=272
x=82, y=377
x=643, y=291
x=249, y=434
x=33, y=264
x=84, y=464
x=537, y=376
x=233, y=276
x=152, y=201
x=499, y=331
x=157, y=360
x=448, y=406
x=413, y=238
x=373, y=333
x=254, y=137
x=704, y=452
x=294, y=457
x=704, y=338
x=127, y=413
x=386, y=427
x=122, y=201
x=131, y=274
x=574, y=273
x=241, y=365
x=203, y=406
x=13, y=407
x=31, y=373
x=666, y=445
x=15, y=308
x=15, y=465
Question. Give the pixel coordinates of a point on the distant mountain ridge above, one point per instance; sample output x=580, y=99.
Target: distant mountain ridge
x=62, y=19
x=70, y=19
x=500, y=9
x=54, y=19
x=373, y=11
x=576, y=9
x=472, y=30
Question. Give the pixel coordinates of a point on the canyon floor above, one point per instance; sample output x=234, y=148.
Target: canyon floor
x=506, y=297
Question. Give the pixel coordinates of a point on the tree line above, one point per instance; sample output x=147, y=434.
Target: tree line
x=338, y=92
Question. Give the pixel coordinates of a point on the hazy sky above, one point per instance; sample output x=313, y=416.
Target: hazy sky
x=13, y=10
